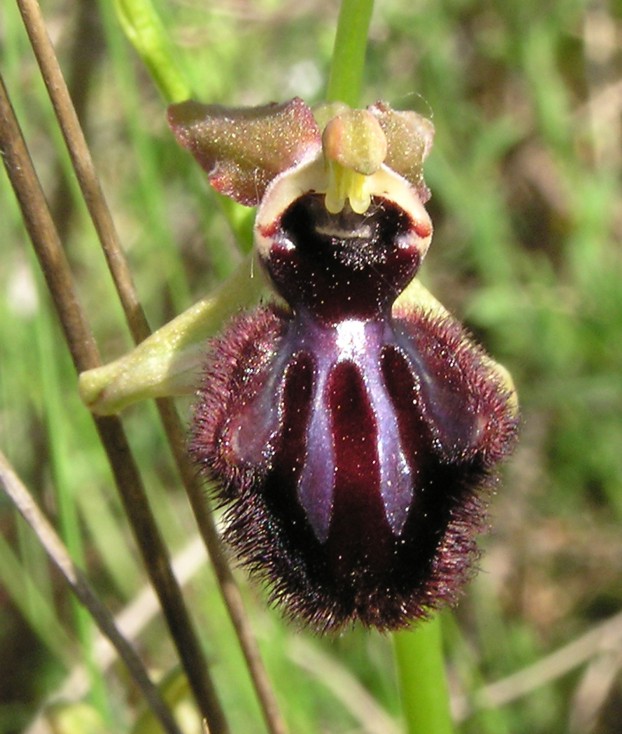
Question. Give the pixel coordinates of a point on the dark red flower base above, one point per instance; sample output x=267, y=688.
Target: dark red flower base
x=354, y=482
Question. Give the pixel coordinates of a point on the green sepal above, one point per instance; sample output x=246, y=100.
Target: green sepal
x=169, y=362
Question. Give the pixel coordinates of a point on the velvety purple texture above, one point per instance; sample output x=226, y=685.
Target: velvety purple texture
x=351, y=446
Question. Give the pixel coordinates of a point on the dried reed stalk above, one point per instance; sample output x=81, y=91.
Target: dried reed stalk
x=100, y=214
x=56, y=270
x=79, y=584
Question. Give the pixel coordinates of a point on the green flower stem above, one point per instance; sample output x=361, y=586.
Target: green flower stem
x=144, y=28
x=422, y=681
x=146, y=31
x=169, y=361
x=346, y=72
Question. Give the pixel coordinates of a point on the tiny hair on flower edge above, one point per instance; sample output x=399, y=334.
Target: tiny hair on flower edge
x=351, y=432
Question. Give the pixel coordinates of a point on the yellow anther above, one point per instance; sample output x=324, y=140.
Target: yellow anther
x=345, y=184
x=354, y=147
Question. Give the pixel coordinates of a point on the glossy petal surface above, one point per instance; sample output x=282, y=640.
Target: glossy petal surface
x=351, y=443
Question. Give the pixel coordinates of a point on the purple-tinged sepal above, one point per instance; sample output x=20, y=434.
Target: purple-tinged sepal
x=243, y=149
x=409, y=138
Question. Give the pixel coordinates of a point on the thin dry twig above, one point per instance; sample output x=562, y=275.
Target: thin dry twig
x=344, y=686
x=77, y=581
x=593, y=691
x=38, y=221
x=131, y=621
x=82, y=161
x=602, y=639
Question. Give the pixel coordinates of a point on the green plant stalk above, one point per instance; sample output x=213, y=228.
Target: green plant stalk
x=38, y=589
x=346, y=72
x=422, y=680
x=56, y=424
x=144, y=28
x=146, y=31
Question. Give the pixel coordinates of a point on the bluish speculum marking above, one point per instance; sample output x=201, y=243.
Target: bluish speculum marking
x=348, y=271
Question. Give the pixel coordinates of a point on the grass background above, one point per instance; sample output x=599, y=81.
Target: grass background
x=526, y=98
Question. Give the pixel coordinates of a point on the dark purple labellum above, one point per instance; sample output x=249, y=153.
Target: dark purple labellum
x=349, y=440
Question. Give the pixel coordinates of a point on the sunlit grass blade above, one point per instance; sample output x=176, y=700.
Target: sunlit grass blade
x=36, y=608
x=144, y=28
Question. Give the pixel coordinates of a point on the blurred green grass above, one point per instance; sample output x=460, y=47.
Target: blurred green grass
x=527, y=207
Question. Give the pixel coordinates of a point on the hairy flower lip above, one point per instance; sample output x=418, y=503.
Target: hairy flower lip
x=352, y=438
x=393, y=565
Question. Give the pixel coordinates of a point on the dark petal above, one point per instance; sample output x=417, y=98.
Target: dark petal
x=466, y=407
x=343, y=265
x=326, y=518
x=232, y=432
